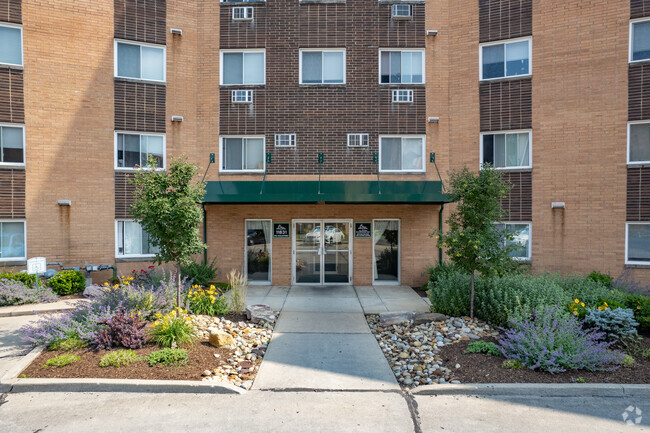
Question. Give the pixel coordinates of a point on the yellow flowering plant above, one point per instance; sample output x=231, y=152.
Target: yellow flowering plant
x=208, y=301
x=173, y=330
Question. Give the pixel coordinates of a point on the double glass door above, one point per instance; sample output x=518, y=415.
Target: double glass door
x=322, y=252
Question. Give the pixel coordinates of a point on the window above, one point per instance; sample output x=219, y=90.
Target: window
x=520, y=239
x=322, y=67
x=396, y=67
x=285, y=140
x=505, y=59
x=12, y=240
x=243, y=67
x=133, y=150
x=132, y=240
x=637, y=248
x=12, y=144
x=242, y=14
x=242, y=96
x=638, y=142
x=506, y=150
x=402, y=95
x=401, y=11
x=143, y=62
x=242, y=154
x=239, y=1
x=386, y=255
x=258, y=251
x=11, y=45
x=401, y=154
x=357, y=140
x=640, y=40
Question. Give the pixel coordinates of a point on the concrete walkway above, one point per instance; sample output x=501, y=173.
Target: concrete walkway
x=32, y=309
x=322, y=340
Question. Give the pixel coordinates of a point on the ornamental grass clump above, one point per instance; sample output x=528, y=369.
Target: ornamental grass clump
x=119, y=358
x=123, y=329
x=238, y=290
x=15, y=292
x=173, y=330
x=168, y=357
x=208, y=301
x=554, y=341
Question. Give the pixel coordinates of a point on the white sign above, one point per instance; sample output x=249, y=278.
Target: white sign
x=36, y=265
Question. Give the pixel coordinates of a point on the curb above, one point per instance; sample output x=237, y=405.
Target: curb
x=538, y=390
x=14, y=371
x=34, y=312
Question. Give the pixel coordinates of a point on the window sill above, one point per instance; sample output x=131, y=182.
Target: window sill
x=137, y=80
x=639, y=62
x=514, y=169
x=402, y=85
x=241, y=172
x=321, y=1
x=12, y=262
x=513, y=78
x=320, y=85
x=243, y=86
x=636, y=266
x=134, y=170
x=239, y=3
x=10, y=66
x=638, y=164
x=12, y=165
x=421, y=173
x=401, y=1
x=148, y=259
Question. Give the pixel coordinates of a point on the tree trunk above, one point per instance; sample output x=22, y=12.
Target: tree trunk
x=178, y=286
x=471, y=298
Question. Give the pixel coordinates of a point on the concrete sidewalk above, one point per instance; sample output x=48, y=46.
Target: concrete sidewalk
x=32, y=309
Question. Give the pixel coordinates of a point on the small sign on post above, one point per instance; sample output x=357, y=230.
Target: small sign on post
x=36, y=265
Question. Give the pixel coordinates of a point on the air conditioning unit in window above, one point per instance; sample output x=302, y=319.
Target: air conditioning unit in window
x=242, y=96
x=400, y=95
x=357, y=140
x=401, y=12
x=242, y=13
x=285, y=140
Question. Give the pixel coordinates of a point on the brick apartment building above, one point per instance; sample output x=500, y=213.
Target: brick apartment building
x=329, y=122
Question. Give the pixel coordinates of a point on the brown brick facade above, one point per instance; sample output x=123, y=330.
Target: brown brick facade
x=123, y=194
x=506, y=104
x=139, y=106
x=504, y=19
x=141, y=20
x=11, y=11
x=12, y=103
x=321, y=116
x=12, y=193
x=639, y=92
x=638, y=194
x=639, y=8
x=519, y=202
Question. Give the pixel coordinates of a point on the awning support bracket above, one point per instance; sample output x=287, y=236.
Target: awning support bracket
x=266, y=167
x=375, y=159
x=321, y=160
x=432, y=158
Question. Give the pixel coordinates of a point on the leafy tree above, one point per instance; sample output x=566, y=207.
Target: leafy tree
x=166, y=205
x=473, y=242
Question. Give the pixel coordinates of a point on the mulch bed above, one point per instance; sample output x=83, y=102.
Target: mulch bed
x=481, y=368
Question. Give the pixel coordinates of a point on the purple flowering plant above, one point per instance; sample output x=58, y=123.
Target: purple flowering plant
x=13, y=292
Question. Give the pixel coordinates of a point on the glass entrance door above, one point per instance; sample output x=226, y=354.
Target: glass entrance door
x=321, y=252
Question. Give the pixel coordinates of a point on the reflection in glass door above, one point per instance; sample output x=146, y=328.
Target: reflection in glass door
x=386, y=250
x=258, y=250
x=307, y=257
x=337, y=252
x=322, y=252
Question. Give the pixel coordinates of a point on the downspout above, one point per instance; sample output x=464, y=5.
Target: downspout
x=442, y=207
x=205, y=236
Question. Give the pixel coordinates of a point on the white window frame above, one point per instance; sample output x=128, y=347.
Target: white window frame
x=221, y=153
x=249, y=96
x=629, y=127
x=506, y=42
x=15, y=164
x=140, y=44
x=401, y=17
x=408, y=50
x=22, y=54
x=164, y=137
x=323, y=50
x=243, y=51
x=292, y=140
x=514, y=131
x=399, y=254
x=395, y=96
x=627, y=239
x=530, y=238
x=117, y=234
x=258, y=282
x=424, y=150
x=247, y=9
x=243, y=1
x=363, y=136
x=631, y=39
x=16, y=259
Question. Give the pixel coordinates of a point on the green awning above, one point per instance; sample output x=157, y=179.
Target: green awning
x=403, y=192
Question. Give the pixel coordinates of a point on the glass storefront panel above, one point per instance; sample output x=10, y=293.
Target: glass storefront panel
x=386, y=250
x=258, y=250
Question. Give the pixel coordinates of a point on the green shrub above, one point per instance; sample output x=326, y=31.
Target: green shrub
x=588, y=291
x=443, y=269
x=486, y=347
x=511, y=363
x=200, y=273
x=173, y=330
x=67, y=282
x=62, y=360
x=641, y=306
x=616, y=323
x=23, y=277
x=628, y=361
x=168, y=357
x=599, y=277
x=119, y=358
x=207, y=301
x=71, y=343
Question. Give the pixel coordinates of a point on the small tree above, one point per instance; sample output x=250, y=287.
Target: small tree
x=166, y=205
x=473, y=241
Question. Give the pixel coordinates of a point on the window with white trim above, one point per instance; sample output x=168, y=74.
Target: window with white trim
x=242, y=96
x=401, y=11
x=132, y=240
x=637, y=245
x=401, y=153
x=242, y=14
x=638, y=142
x=12, y=240
x=243, y=67
x=11, y=44
x=505, y=59
x=132, y=150
x=239, y=1
x=640, y=40
x=12, y=144
x=402, y=95
x=139, y=61
x=357, y=140
x=242, y=154
x=322, y=66
x=285, y=140
x=520, y=239
x=506, y=149
x=401, y=66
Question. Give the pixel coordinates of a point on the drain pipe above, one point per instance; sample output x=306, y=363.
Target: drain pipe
x=442, y=207
x=205, y=236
